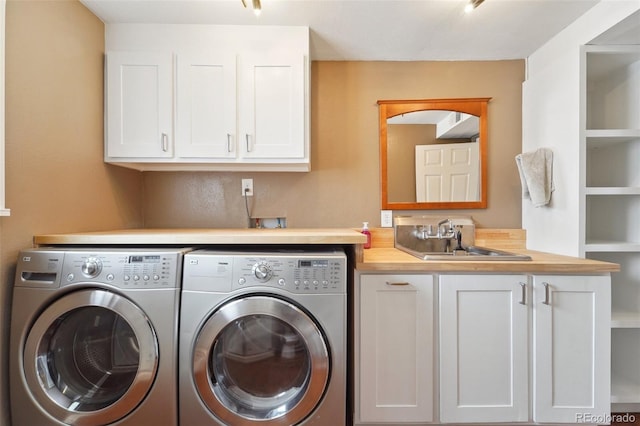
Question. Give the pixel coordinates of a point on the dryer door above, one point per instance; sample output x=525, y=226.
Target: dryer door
x=261, y=360
x=90, y=358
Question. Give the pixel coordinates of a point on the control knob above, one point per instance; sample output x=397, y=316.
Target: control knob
x=91, y=267
x=262, y=271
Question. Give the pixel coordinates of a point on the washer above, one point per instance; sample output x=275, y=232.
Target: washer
x=94, y=337
x=263, y=338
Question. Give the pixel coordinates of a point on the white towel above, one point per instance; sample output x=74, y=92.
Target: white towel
x=536, y=175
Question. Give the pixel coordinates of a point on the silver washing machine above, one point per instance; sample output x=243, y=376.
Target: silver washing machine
x=94, y=337
x=263, y=338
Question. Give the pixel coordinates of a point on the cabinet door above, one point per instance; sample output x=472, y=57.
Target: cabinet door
x=206, y=106
x=139, y=105
x=272, y=106
x=396, y=348
x=572, y=344
x=483, y=348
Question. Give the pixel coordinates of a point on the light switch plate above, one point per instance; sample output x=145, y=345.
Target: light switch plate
x=386, y=218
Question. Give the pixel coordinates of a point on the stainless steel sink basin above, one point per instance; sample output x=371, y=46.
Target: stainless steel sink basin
x=431, y=237
x=471, y=253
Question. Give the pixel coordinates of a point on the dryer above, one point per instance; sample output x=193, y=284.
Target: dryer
x=94, y=337
x=263, y=338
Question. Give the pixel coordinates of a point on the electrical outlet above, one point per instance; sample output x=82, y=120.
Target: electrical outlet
x=386, y=218
x=247, y=187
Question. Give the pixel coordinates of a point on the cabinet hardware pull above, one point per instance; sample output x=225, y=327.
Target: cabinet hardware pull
x=523, y=299
x=228, y=142
x=397, y=283
x=247, y=139
x=165, y=142
x=547, y=294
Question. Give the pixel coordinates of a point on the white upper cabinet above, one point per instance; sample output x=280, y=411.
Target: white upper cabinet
x=139, y=106
x=271, y=95
x=184, y=97
x=206, y=106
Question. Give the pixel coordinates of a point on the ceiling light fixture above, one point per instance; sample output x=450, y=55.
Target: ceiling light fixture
x=472, y=5
x=257, y=8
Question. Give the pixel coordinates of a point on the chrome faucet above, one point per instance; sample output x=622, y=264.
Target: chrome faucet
x=448, y=232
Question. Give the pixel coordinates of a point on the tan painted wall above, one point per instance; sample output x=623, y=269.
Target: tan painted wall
x=343, y=188
x=55, y=178
x=57, y=182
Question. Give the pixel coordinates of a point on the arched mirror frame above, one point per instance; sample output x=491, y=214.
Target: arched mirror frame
x=391, y=108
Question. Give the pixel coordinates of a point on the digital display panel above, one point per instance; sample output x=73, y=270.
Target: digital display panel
x=313, y=263
x=144, y=259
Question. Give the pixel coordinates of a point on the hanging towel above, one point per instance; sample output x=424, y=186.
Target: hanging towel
x=536, y=175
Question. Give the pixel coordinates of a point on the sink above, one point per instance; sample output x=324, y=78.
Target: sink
x=471, y=253
x=433, y=237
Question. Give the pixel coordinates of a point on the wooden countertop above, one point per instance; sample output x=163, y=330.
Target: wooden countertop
x=391, y=259
x=382, y=257
x=197, y=236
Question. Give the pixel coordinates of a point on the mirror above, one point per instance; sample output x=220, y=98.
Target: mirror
x=446, y=140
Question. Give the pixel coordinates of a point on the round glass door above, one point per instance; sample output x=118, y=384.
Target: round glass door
x=90, y=358
x=261, y=359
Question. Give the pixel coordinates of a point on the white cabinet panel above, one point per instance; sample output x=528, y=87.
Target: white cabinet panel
x=206, y=106
x=572, y=347
x=272, y=113
x=231, y=103
x=396, y=348
x=483, y=348
x=139, y=105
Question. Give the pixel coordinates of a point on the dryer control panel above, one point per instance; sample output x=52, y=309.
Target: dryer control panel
x=299, y=272
x=145, y=270
x=53, y=268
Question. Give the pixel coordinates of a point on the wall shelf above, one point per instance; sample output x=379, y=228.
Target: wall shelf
x=625, y=319
x=612, y=190
x=610, y=139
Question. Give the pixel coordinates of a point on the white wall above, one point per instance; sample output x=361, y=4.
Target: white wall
x=551, y=118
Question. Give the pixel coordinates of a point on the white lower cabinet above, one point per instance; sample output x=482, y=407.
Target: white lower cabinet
x=488, y=347
x=572, y=348
x=512, y=348
x=483, y=348
x=395, y=351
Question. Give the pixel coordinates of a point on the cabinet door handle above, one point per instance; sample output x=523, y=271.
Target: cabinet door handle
x=523, y=297
x=547, y=294
x=397, y=283
x=228, y=142
x=165, y=142
x=247, y=139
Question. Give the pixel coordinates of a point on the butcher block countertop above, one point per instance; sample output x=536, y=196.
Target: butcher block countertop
x=381, y=257
x=206, y=236
x=391, y=259
x=384, y=257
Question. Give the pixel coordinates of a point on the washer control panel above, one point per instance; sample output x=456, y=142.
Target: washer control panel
x=298, y=272
x=306, y=273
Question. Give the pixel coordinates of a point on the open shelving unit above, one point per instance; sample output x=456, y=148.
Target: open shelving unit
x=610, y=197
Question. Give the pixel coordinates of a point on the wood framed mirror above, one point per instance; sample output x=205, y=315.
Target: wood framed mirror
x=433, y=153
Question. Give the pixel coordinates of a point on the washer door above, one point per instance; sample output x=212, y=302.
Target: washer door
x=90, y=358
x=261, y=360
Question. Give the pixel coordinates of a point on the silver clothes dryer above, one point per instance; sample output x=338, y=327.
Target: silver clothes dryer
x=94, y=337
x=263, y=338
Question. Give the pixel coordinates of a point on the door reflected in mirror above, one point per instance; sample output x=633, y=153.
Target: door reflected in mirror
x=433, y=153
